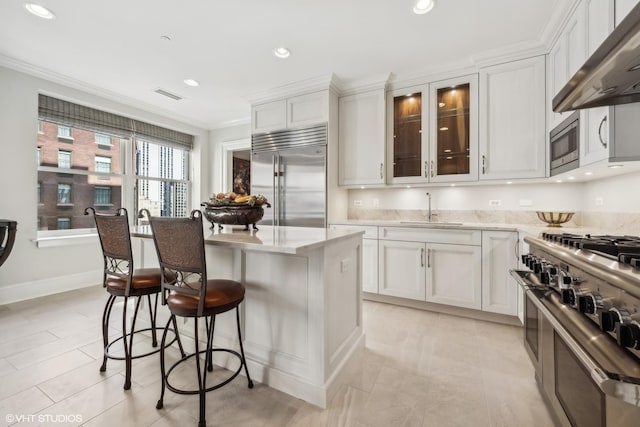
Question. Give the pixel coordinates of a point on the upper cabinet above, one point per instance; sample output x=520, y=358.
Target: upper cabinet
x=298, y=111
x=453, y=148
x=362, y=138
x=432, y=132
x=622, y=9
x=512, y=120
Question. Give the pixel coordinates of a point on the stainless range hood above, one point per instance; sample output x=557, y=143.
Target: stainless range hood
x=611, y=75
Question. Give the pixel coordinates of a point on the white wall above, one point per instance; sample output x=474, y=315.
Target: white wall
x=552, y=196
x=618, y=194
x=31, y=271
x=217, y=138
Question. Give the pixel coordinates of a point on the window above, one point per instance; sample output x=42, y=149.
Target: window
x=103, y=164
x=64, y=159
x=102, y=196
x=64, y=223
x=86, y=174
x=64, y=132
x=162, y=184
x=40, y=127
x=64, y=194
x=102, y=139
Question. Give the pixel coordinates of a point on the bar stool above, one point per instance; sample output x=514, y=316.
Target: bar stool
x=180, y=246
x=8, y=229
x=121, y=279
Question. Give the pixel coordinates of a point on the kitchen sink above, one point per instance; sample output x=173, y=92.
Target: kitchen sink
x=431, y=222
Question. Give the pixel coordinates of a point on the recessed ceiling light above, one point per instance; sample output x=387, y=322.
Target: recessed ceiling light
x=423, y=6
x=281, y=52
x=39, y=10
x=558, y=181
x=408, y=186
x=453, y=185
x=408, y=95
x=191, y=82
x=588, y=173
x=571, y=177
x=509, y=182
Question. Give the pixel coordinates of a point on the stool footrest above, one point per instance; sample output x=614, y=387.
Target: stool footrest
x=213, y=387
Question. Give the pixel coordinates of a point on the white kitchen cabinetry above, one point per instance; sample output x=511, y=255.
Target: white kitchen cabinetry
x=622, y=9
x=512, y=120
x=594, y=143
x=432, y=132
x=298, y=111
x=421, y=268
x=402, y=269
x=454, y=275
x=362, y=138
x=565, y=58
x=369, y=266
x=499, y=255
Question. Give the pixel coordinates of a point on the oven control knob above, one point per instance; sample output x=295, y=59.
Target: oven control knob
x=628, y=335
x=608, y=320
x=537, y=267
x=587, y=304
x=553, y=270
x=568, y=296
x=545, y=278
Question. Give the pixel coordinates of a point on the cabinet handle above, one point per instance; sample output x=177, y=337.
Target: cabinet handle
x=428, y=258
x=422, y=257
x=431, y=168
x=517, y=249
x=484, y=164
x=602, y=141
x=381, y=169
x=426, y=166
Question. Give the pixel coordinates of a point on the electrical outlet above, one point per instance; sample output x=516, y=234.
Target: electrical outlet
x=495, y=202
x=526, y=202
x=344, y=265
x=357, y=203
x=376, y=203
x=599, y=201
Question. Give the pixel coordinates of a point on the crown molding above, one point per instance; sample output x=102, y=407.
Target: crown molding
x=556, y=23
x=231, y=123
x=365, y=85
x=513, y=52
x=315, y=84
x=433, y=74
x=46, y=74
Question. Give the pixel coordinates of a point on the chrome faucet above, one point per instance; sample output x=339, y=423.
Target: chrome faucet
x=429, y=196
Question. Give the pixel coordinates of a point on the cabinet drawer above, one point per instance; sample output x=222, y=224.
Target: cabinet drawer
x=370, y=231
x=432, y=235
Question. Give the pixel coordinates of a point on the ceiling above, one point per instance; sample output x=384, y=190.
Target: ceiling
x=116, y=47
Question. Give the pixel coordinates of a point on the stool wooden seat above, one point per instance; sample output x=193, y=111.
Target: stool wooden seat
x=190, y=293
x=121, y=279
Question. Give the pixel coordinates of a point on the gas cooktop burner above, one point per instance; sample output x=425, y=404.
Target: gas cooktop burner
x=625, y=249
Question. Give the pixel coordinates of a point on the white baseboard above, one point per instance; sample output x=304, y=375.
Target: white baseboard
x=49, y=286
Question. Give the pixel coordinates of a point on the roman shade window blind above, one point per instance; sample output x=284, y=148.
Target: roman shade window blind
x=79, y=116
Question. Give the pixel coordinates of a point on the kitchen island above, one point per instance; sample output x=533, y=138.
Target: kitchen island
x=302, y=315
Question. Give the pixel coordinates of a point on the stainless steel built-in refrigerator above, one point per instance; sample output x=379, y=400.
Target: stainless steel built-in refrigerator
x=288, y=167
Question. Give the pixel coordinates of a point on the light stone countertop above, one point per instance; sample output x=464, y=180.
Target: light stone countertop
x=286, y=240
x=531, y=229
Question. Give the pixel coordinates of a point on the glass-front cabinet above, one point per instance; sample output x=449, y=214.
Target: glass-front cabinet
x=433, y=136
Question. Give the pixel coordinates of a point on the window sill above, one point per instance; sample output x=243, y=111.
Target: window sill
x=76, y=239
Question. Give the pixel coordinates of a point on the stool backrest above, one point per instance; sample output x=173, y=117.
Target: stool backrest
x=8, y=228
x=115, y=240
x=180, y=247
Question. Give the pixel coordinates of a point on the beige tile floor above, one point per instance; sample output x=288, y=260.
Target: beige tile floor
x=418, y=369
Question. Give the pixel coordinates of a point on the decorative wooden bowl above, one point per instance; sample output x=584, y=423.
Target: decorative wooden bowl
x=554, y=219
x=233, y=214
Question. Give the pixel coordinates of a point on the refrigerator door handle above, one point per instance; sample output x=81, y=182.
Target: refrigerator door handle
x=275, y=187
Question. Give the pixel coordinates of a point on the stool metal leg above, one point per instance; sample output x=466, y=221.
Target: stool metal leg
x=172, y=319
x=175, y=328
x=152, y=316
x=105, y=329
x=201, y=385
x=244, y=361
x=211, y=324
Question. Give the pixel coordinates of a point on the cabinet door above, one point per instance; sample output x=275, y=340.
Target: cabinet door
x=269, y=117
x=594, y=142
x=308, y=109
x=499, y=255
x=402, y=269
x=407, y=135
x=557, y=78
x=453, y=146
x=361, y=138
x=623, y=7
x=370, y=265
x=512, y=125
x=454, y=275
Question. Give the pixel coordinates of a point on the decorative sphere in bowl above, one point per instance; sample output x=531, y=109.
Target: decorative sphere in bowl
x=554, y=219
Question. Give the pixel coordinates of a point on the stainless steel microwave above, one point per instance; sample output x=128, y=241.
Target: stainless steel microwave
x=565, y=145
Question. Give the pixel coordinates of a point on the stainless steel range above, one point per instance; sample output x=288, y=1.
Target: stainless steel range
x=582, y=326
